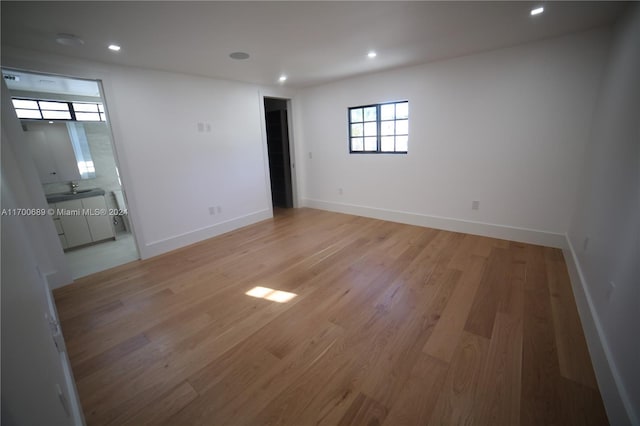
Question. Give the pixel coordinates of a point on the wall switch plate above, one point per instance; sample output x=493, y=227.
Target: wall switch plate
x=340, y=191
x=475, y=205
x=200, y=127
x=585, y=244
x=219, y=209
x=310, y=155
x=212, y=211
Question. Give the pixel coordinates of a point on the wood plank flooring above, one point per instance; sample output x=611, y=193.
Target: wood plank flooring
x=391, y=324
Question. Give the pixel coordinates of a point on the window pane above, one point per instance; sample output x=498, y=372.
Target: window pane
x=387, y=112
x=28, y=113
x=356, y=115
x=370, y=129
x=80, y=145
x=56, y=115
x=379, y=128
x=21, y=103
x=387, y=128
x=56, y=106
x=85, y=107
x=370, y=114
x=87, y=116
x=387, y=144
x=402, y=110
x=402, y=143
x=86, y=168
x=357, y=144
x=402, y=127
x=370, y=144
x=100, y=108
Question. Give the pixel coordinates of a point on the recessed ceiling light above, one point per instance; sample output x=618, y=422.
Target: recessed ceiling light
x=282, y=78
x=372, y=54
x=69, y=40
x=114, y=47
x=239, y=55
x=537, y=11
x=51, y=122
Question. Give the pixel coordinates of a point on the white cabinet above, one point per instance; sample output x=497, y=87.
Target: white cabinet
x=58, y=225
x=52, y=153
x=74, y=223
x=100, y=226
x=81, y=221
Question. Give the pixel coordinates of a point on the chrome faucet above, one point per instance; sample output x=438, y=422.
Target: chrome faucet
x=74, y=187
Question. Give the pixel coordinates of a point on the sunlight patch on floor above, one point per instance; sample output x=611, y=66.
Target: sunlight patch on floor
x=271, y=294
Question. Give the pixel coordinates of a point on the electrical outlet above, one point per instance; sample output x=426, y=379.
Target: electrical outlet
x=475, y=205
x=340, y=191
x=212, y=210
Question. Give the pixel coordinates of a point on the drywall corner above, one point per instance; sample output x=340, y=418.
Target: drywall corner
x=614, y=396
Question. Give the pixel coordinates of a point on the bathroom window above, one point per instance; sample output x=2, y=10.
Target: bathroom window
x=379, y=128
x=40, y=109
x=80, y=146
x=88, y=111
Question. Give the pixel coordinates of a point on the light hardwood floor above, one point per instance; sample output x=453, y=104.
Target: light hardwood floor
x=391, y=324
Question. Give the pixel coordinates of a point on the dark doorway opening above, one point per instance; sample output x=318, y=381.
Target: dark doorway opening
x=277, y=126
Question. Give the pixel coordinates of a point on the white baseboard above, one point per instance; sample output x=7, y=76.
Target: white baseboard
x=158, y=247
x=58, y=279
x=524, y=235
x=616, y=400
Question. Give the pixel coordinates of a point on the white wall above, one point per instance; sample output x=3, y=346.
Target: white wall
x=171, y=171
x=48, y=251
x=505, y=127
x=608, y=214
x=177, y=173
x=32, y=368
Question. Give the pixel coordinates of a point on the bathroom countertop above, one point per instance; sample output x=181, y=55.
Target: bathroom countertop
x=66, y=196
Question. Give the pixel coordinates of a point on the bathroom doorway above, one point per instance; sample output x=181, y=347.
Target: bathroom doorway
x=65, y=121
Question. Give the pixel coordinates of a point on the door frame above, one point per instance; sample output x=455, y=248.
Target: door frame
x=112, y=138
x=292, y=153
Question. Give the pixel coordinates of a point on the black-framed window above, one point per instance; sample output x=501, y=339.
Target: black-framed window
x=40, y=109
x=379, y=128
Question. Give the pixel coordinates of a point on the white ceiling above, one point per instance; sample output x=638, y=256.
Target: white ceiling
x=310, y=42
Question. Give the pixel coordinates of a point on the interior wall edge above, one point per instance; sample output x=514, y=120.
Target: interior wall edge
x=530, y=236
x=75, y=406
x=616, y=400
x=56, y=279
